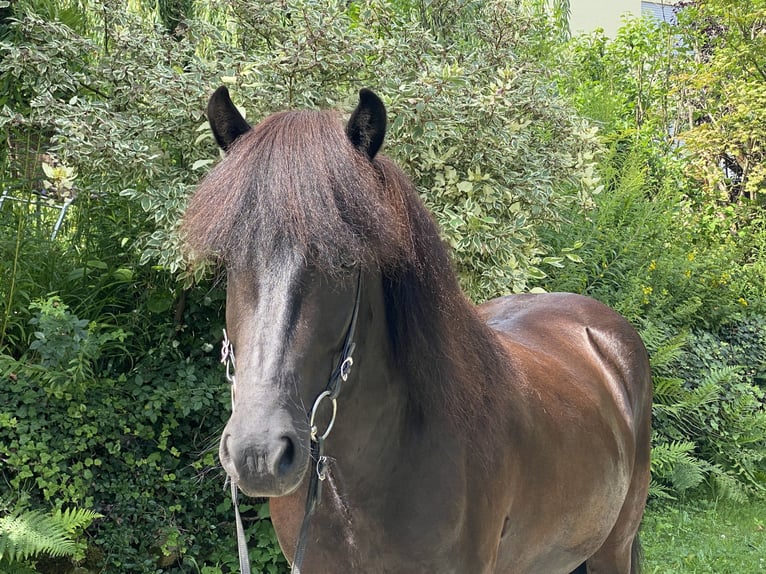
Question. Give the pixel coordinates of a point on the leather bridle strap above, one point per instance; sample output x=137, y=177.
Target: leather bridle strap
x=228, y=359
x=318, y=468
x=313, y=497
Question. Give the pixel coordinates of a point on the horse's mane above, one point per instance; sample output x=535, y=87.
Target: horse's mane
x=296, y=182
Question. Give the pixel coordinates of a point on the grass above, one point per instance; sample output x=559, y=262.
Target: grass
x=705, y=537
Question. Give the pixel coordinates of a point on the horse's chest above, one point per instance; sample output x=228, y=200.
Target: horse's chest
x=413, y=528
x=405, y=526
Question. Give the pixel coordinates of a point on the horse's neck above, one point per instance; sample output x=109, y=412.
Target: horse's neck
x=438, y=383
x=388, y=465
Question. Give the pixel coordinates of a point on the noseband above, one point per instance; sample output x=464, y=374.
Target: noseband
x=318, y=469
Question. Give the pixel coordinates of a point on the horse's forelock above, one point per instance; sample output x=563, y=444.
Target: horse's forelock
x=296, y=182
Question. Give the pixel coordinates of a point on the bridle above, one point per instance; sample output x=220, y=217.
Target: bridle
x=318, y=468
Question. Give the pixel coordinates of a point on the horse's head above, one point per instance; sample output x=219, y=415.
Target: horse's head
x=288, y=327
x=292, y=282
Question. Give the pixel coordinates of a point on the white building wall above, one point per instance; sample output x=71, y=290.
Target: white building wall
x=587, y=15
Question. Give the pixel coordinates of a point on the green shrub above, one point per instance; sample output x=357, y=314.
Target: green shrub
x=639, y=249
x=743, y=342
x=640, y=254
x=686, y=276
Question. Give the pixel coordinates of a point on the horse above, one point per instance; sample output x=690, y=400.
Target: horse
x=508, y=437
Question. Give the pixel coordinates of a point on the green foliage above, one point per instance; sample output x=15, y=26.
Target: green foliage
x=120, y=116
x=173, y=13
x=477, y=128
x=641, y=251
x=136, y=445
x=675, y=469
x=65, y=345
x=626, y=83
x=476, y=132
x=688, y=96
x=744, y=343
x=488, y=145
x=681, y=269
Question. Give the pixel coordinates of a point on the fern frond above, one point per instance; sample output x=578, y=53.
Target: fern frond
x=667, y=389
x=664, y=352
x=707, y=393
x=688, y=472
x=721, y=375
x=8, y=567
x=689, y=409
x=728, y=487
x=745, y=418
x=652, y=334
x=658, y=490
x=674, y=463
x=665, y=455
x=73, y=519
x=686, y=310
x=24, y=534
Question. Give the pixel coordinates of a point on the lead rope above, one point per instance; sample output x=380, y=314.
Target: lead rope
x=244, y=556
x=319, y=468
x=228, y=359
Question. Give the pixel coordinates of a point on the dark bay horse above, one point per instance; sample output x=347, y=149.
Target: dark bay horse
x=512, y=437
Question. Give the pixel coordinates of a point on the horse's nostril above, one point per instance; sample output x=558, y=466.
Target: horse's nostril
x=288, y=456
x=224, y=448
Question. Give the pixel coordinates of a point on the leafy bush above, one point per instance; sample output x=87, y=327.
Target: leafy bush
x=684, y=271
x=723, y=91
x=477, y=127
x=65, y=345
x=135, y=446
x=640, y=253
x=638, y=250
x=743, y=342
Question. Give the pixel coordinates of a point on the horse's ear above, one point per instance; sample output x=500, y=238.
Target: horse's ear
x=367, y=125
x=225, y=120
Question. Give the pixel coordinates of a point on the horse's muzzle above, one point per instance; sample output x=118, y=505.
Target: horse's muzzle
x=265, y=464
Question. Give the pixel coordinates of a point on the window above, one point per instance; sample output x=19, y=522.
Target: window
x=662, y=11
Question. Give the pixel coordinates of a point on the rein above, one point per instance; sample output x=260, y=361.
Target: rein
x=318, y=466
